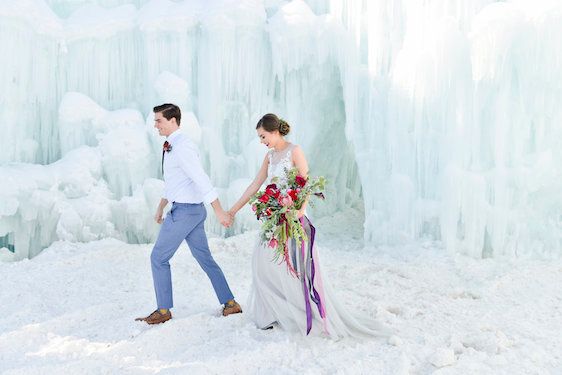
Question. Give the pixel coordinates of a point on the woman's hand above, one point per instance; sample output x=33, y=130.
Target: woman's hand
x=300, y=213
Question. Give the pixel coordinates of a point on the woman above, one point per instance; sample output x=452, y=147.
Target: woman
x=277, y=297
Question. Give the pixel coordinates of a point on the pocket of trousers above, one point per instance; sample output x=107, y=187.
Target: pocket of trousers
x=185, y=214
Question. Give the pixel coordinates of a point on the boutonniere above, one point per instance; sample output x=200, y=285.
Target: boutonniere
x=167, y=146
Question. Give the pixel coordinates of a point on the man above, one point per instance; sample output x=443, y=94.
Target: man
x=187, y=186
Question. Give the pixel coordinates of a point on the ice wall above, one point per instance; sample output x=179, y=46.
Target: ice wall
x=438, y=119
x=99, y=188
x=449, y=104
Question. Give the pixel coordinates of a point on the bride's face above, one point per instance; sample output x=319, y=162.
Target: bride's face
x=270, y=139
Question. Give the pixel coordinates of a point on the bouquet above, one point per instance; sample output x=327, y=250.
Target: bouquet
x=277, y=208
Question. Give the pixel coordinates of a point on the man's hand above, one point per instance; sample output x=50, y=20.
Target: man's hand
x=158, y=215
x=160, y=210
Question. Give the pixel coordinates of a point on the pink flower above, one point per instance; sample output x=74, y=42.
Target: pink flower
x=254, y=208
x=273, y=243
x=287, y=201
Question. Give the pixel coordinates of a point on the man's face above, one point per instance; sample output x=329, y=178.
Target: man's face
x=165, y=127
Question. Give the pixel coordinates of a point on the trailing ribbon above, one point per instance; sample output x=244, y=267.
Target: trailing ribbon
x=311, y=291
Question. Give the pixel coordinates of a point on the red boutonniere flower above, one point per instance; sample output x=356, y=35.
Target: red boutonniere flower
x=167, y=146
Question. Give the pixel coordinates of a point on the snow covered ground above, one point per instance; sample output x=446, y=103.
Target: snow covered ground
x=70, y=310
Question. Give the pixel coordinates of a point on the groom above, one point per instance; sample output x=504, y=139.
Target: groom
x=187, y=186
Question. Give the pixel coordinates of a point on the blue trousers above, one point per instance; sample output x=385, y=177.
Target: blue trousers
x=185, y=221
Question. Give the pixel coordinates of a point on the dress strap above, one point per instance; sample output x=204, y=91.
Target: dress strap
x=289, y=154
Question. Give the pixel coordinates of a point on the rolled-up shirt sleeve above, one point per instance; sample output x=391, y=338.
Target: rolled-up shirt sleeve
x=191, y=164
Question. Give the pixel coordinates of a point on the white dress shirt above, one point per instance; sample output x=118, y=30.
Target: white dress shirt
x=185, y=181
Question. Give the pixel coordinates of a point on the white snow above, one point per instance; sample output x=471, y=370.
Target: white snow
x=71, y=310
x=442, y=357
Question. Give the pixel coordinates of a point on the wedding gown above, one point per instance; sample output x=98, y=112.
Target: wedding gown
x=277, y=297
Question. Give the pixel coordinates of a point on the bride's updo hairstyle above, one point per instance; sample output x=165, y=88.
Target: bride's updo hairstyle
x=271, y=122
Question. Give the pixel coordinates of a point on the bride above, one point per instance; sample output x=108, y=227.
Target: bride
x=305, y=304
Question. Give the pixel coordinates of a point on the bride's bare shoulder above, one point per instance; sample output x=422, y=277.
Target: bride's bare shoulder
x=296, y=149
x=268, y=156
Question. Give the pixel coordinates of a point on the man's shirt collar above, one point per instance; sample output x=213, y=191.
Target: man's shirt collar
x=174, y=136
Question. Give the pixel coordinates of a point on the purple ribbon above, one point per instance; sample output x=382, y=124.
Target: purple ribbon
x=305, y=291
x=308, y=273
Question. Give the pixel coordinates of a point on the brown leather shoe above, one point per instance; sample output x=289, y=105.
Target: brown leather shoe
x=231, y=307
x=156, y=317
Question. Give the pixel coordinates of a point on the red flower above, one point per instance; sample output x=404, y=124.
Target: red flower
x=264, y=198
x=301, y=181
x=167, y=146
x=268, y=212
x=271, y=190
x=292, y=194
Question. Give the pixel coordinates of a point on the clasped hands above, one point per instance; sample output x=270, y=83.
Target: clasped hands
x=226, y=218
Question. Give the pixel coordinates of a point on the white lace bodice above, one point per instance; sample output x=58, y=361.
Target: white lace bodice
x=278, y=162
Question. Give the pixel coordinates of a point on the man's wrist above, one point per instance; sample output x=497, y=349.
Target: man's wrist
x=216, y=204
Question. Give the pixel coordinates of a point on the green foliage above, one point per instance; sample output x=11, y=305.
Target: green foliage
x=277, y=208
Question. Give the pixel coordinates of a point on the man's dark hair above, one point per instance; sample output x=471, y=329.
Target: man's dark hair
x=168, y=111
